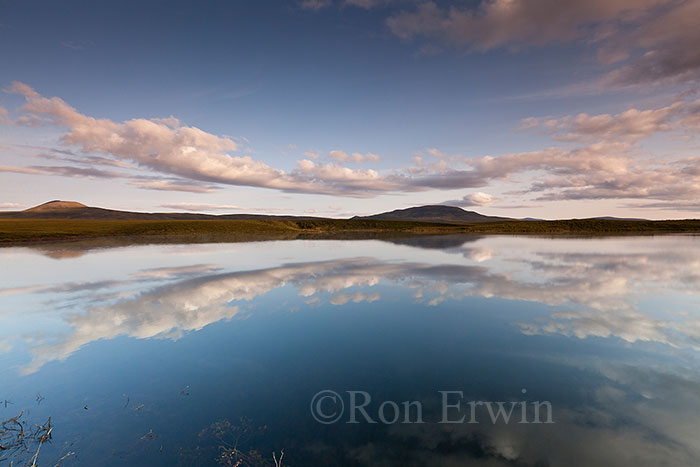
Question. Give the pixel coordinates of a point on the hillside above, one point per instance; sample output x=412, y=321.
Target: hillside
x=72, y=210
x=434, y=213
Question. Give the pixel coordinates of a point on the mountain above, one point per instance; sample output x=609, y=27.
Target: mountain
x=58, y=209
x=434, y=213
x=56, y=205
x=609, y=218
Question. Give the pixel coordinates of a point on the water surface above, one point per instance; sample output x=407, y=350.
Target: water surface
x=164, y=354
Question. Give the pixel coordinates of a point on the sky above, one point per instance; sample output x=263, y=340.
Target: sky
x=522, y=108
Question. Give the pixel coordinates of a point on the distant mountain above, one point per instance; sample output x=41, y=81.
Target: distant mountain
x=56, y=205
x=435, y=213
x=609, y=218
x=58, y=209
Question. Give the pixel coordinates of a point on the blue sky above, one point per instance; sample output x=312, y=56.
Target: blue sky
x=343, y=107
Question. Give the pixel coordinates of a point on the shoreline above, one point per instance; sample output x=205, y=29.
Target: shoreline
x=17, y=232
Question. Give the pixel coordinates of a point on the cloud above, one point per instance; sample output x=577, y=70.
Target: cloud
x=652, y=41
x=170, y=272
x=198, y=207
x=366, y=4
x=54, y=154
x=77, y=45
x=4, y=116
x=65, y=171
x=70, y=171
x=167, y=146
x=668, y=41
x=342, y=156
x=630, y=125
x=498, y=23
x=473, y=199
x=607, y=166
x=689, y=206
x=20, y=170
x=12, y=206
x=173, y=185
x=314, y=5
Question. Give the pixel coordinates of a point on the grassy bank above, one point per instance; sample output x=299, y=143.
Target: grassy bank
x=29, y=230
x=38, y=230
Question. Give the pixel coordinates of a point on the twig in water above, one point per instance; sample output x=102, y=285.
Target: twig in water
x=43, y=438
x=278, y=462
x=71, y=453
x=149, y=435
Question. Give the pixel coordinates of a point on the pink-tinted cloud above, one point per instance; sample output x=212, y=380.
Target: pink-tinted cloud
x=4, y=117
x=607, y=165
x=650, y=40
x=173, y=185
x=342, y=156
x=20, y=170
x=668, y=39
x=497, y=23
x=169, y=147
x=630, y=125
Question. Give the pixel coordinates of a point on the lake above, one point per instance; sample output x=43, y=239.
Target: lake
x=452, y=350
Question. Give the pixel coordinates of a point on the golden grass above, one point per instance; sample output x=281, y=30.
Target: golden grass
x=32, y=230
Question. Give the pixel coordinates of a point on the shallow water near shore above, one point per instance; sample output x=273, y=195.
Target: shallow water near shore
x=357, y=352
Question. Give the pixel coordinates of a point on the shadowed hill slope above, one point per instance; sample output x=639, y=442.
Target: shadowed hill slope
x=434, y=213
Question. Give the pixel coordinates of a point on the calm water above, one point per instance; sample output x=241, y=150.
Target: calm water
x=151, y=355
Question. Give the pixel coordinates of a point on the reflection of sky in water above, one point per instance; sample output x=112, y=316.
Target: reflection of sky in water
x=605, y=329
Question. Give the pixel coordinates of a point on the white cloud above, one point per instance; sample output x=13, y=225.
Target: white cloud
x=198, y=207
x=473, y=199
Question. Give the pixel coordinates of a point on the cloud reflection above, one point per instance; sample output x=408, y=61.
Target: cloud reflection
x=588, y=292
